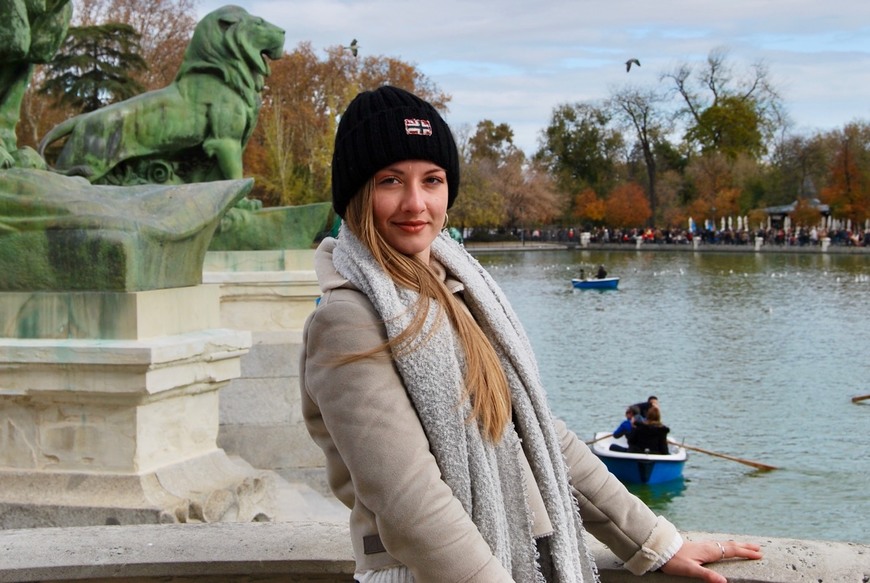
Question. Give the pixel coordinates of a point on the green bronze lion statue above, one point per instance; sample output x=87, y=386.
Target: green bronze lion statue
x=195, y=129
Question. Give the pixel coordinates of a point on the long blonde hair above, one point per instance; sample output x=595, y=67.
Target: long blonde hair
x=485, y=381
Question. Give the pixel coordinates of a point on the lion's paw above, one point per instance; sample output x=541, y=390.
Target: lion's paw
x=6, y=159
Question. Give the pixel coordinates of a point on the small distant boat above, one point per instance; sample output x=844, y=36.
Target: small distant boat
x=604, y=283
x=639, y=468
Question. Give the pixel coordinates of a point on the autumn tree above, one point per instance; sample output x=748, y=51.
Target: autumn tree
x=642, y=113
x=627, y=206
x=588, y=206
x=805, y=214
x=482, y=155
x=848, y=192
x=290, y=152
x=515, y=191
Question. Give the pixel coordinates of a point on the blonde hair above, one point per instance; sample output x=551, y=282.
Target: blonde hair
x=485, y=382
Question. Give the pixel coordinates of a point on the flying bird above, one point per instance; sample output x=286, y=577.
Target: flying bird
x=353, y=48
x=631, y=62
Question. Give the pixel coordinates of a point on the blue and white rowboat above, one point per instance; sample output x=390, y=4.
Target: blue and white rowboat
x=604, y=283
x=639, y=468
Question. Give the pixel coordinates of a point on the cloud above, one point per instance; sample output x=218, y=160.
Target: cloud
x=513, y=61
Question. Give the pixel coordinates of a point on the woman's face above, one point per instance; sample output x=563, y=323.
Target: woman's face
x=410, y=203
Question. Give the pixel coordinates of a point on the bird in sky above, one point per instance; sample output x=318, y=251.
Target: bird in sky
x=631, y=62
x=353, y=48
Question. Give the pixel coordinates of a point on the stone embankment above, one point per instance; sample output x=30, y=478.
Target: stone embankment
x=287, y=552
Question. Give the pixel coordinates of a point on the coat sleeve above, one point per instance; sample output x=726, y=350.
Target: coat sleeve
x=377, y=452
x=611, y=513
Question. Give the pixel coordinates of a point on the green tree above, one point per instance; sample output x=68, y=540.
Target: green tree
x=726, y=111
x=731, y=126
x=798, y=167
x=165, y=25
x=579, y=148
x=480, y=204
x=495, y=142
x=95, y=67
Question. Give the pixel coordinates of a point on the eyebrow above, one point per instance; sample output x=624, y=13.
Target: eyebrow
x=397, y=169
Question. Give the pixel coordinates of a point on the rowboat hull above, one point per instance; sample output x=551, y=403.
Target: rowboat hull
x=605, y=283
x=639, y=468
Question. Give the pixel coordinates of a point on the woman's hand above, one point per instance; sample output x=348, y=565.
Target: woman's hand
x=692, y=555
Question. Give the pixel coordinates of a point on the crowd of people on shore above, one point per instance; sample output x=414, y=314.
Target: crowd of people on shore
x=643, y=429
x=779, y=236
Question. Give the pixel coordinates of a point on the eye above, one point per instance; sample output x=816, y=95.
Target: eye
x=389, y=179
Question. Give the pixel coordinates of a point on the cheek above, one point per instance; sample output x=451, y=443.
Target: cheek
x=382, y=209
x=439, y=204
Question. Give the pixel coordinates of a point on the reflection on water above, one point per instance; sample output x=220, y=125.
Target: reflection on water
x=659, y=496
x=752, y=355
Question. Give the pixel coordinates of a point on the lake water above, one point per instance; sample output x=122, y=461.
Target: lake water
x=752, y=355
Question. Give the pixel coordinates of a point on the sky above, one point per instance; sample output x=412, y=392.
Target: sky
x=514, y=61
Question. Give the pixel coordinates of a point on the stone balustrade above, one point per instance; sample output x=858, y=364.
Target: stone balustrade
x=287, y=552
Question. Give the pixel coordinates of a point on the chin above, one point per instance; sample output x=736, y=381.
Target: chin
x=412, y=245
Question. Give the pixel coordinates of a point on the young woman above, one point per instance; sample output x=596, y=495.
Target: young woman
x=649, y=436
x=421, y=388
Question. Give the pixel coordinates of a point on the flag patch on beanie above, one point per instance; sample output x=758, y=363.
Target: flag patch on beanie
x=418, y=127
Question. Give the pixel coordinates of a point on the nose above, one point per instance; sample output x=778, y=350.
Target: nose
x=413, y=200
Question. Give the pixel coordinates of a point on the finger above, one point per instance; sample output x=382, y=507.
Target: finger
x=741, y=550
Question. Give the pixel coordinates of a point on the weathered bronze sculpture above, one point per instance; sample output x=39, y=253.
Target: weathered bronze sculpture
x=193, y=130
x=61, y=233
x=30, y=33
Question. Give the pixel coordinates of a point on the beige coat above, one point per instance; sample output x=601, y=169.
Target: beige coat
x=379, y=465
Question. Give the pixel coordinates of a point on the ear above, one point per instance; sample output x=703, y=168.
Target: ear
x=229, y=16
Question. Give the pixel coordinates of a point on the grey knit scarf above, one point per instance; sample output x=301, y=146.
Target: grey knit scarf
x=487, y=478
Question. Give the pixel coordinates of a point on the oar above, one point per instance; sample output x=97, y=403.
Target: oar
x=860, y=398
x=599, y=438
x=757, y=465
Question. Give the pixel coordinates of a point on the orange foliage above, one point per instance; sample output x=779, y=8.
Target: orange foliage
x=627, y=206
x=588, y=206
x=847, y=193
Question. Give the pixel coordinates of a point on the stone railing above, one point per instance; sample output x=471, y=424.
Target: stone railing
x=320, y=552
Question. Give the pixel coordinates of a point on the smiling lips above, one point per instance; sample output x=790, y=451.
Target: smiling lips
x=411, y=226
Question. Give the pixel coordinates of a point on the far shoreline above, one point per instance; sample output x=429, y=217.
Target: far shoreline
x=500, y=246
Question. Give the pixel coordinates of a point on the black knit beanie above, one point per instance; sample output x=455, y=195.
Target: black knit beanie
x=385, y=126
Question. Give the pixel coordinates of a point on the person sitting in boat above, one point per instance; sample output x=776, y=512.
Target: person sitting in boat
x=651, y=436
x=642, y=408
x=627, y=424
x=626, y=427
x=602, y=273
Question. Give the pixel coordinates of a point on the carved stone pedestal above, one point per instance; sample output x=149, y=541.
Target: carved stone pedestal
x=270, y=293
x=109, y=410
